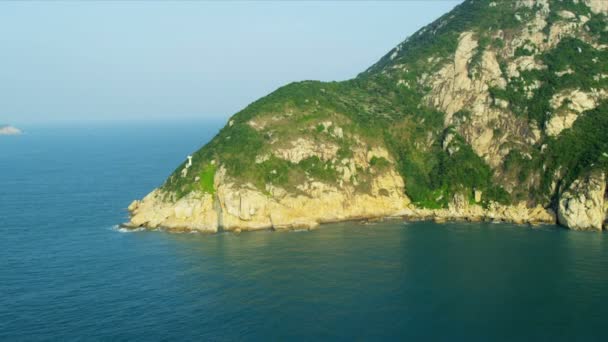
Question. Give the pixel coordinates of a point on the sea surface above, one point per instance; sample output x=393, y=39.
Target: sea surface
x=68, y=273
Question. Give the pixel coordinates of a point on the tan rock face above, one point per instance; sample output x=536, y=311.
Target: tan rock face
x=568, y=105
x=240, y=208
x=378, y=152
x=582, y=206
x=302, y=148
x=455, y=88
x=194, y=212
x=579, y=101
x=543, y=4
x=246, y=208
x=523, y=63
x=559, y=122
x=597, y=6
x=460, y=209
x=453, y=78
x=250, y=209
x=532, y=36
x=478, y=194
x=459, y=85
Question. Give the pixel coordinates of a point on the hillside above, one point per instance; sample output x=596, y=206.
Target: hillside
x=496, y=111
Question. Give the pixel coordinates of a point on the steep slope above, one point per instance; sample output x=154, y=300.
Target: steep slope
x=495, y=111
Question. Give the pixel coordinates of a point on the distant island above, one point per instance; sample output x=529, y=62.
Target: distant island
x=9, y=130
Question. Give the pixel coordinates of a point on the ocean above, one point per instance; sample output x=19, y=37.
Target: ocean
x=67, y=272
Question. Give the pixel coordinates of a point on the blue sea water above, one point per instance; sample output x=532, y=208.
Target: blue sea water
x=67, y=272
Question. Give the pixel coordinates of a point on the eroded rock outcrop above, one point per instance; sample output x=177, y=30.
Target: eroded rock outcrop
x=568, y=105
x=597, y=6
x=244, y=207
x=195, y=211
x=582, y=206
x=301, y=149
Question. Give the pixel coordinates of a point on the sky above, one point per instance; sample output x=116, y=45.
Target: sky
x=154, y=60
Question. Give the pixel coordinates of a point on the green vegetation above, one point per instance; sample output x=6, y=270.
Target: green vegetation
x=207, y=177
x=523, y=51
x=597, y=27
x=237, y=146
x=433, y=175
x=462, y=171
x=520, y=165
x=580, y=149
x=379, y=163
x=576, y=7
x=344, y=152
x=475, y=62
x=272, y=171
x=440, y=38
x=415, y=160
x=318, y=169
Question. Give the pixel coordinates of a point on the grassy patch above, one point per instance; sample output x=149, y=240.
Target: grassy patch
x=207, y=177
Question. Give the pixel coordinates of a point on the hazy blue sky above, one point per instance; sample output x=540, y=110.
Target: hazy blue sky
x=109, y=60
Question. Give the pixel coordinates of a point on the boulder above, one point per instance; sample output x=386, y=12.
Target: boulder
x=581, y=207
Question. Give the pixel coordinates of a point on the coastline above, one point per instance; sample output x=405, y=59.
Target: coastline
x=495, y=213
x=240, y=207
x=361, y=221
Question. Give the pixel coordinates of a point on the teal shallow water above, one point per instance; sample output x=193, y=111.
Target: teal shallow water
x=66, y=273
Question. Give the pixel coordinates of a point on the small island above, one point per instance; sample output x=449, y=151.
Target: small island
x=9, y=130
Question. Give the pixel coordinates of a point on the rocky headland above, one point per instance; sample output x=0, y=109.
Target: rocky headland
x=497, y=111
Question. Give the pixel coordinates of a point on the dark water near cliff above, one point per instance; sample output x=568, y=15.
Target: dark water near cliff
x=65, y=273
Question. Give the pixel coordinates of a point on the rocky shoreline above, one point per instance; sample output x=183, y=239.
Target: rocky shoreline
x=242, y=207
x=199, y=215
x=440, y=219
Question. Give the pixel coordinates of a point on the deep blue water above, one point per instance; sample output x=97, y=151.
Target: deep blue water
x=66, y=273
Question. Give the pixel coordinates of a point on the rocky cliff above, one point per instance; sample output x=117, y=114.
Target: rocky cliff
x=496, y=111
